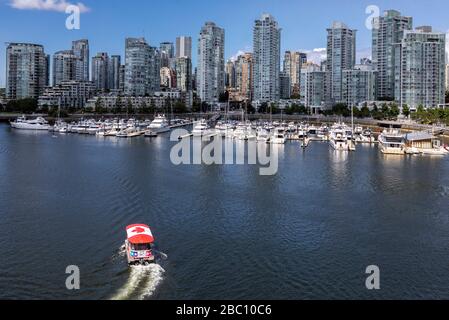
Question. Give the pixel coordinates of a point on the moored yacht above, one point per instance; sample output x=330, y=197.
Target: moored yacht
x=129, y=133
x=239, y=131
x=366, y=136
x=312, y=133
x=278, y=137
x=339, y=140
x=159, y=124
x=263, y=136
x=201, y=128
x=35, y=124
x=221, y=128
x=392, y=142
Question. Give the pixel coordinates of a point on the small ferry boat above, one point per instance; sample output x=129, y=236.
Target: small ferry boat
x=139, y=244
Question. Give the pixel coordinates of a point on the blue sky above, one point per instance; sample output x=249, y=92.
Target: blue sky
x=108, y=22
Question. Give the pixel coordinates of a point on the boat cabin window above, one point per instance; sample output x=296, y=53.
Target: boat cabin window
x=141, y=246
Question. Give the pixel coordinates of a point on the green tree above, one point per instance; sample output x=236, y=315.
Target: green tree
x=274, y=108
x=263, y=108
x=394, y=111
x=99, y=106
x=341, y=109
x=152, y=109
x=250, y=108
x=118, y=105
x=45, y=108
x=129, y=106
x=179, y=107
x=357, y=112
x=406, y=110
x=27, y=105
x=144, y=109
x=224, y=96
x=364, y=112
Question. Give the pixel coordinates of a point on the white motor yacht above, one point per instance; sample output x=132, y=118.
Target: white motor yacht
x=159, y=124
x=201, y=128
x=278, y=137
x=240, y=131
x=221, y=129
x=339, y=140
x=263, y=136
x=35, y=124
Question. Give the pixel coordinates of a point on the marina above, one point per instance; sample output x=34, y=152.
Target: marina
x=339, y=135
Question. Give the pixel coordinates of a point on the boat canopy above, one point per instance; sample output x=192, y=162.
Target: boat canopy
x=139, y=234
x=419, y=136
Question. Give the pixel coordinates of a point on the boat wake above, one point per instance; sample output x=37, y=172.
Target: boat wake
x=142, y=282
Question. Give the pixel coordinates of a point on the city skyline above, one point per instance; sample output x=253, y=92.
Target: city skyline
x=238, y=26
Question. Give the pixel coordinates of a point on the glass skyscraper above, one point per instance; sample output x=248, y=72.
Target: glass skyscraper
x=341, y=55
x=266, y=59
x=421, y=72
x=211, y=64
x=26, y=70
x=142, y=68
x=388, y=31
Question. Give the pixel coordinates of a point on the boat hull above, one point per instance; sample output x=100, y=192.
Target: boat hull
x=159, y=130
x=340, y=145
x=25, y=126
x=396, y=151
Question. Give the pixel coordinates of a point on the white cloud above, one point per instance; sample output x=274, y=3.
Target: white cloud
x=239, y=52
x=235, y=56
x=47, y=5
x=316, y=55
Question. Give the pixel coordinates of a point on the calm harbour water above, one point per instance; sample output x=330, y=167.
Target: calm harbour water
x=308, y=232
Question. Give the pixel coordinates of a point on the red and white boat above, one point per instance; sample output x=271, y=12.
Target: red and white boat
x=139, y=244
